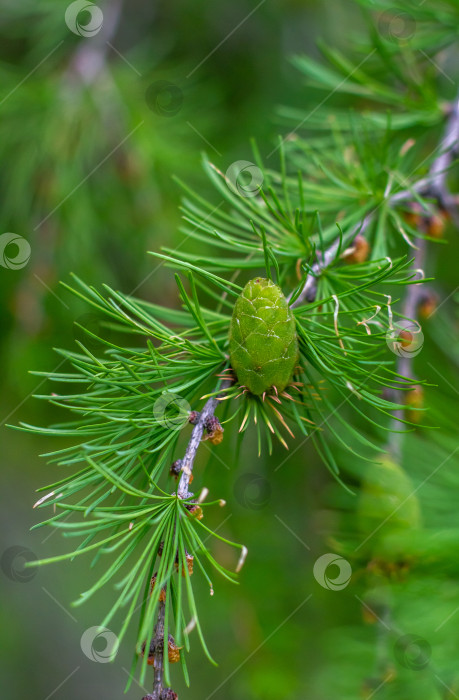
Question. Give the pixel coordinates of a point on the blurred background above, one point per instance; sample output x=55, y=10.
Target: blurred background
x=98, y=112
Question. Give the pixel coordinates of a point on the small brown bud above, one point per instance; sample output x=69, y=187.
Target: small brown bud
x=413, y=215
x=436, y=225
x=214, y=430
x=168, y=694
x=162, y=595
x=176, y=468
x=193, y=417
x=173, y=651
x=414, y=401
x=195, y=511
x=189, y=563
x=427, y=305
x=151, y=652
x=415, y=397
x=359, y=251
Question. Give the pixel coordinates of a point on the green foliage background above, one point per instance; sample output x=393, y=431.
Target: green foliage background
x=55, y=130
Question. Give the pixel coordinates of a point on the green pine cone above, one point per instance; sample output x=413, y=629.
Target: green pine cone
x=263, y=342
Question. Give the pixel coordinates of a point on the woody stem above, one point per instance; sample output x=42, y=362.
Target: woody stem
x=160, y=643
x=434, y=186
x=195, y=439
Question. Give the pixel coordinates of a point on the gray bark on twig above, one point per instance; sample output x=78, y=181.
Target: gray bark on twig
x=434, y=185
x=187, y=463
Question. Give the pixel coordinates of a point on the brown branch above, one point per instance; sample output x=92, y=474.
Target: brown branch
x=404, y=362
x=325, y=259
x=159, y=656
x=159, y=644
x=434, y=186
x=449, y=149
x=195, y=440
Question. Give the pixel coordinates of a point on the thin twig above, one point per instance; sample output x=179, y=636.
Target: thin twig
x=404, y=362
x=159, y=642
x=449, y=149
x=434, y=186
x=195, y=440
x=325, y=259
x=436, y=181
